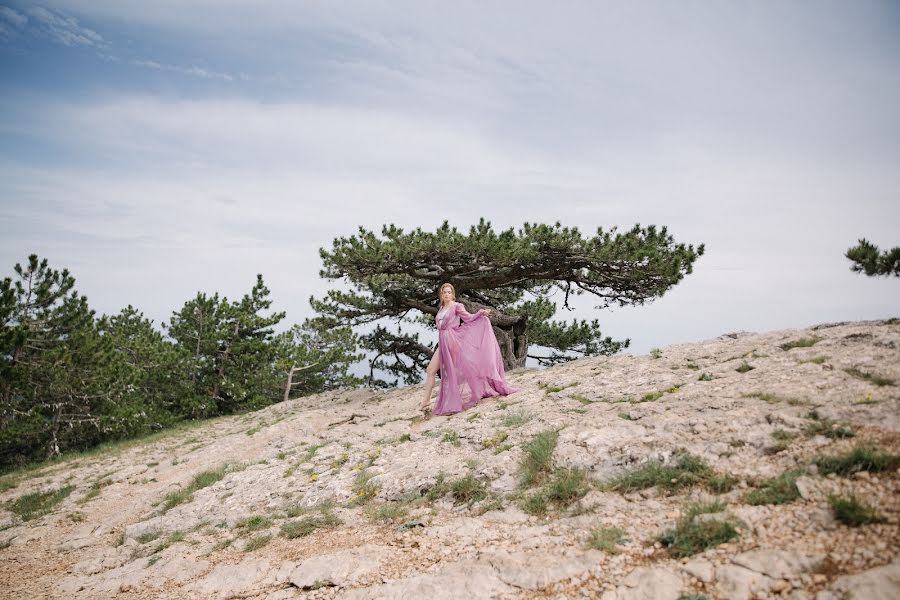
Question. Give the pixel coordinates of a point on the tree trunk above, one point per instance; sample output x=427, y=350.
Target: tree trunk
x=513, y=342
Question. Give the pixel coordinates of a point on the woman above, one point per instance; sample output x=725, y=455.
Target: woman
x=468, y=356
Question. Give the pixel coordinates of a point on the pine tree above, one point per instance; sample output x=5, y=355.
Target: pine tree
x=228, y=348
x=522, y=275
x=56, y=367
x=868, y=259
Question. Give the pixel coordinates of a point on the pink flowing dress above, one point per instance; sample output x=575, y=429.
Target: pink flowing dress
x=470, y=358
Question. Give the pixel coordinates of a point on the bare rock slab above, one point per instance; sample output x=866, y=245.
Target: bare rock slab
x=537, y=570
x=338, y=569
x=880, y=583
x=457, y=581
x=646, y=583
x=249, y=577
x=778, y=564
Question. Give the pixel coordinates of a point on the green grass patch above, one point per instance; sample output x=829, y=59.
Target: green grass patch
x=818, y=360
x=655, y=353
x=566, y=486
x=174, y=538
x=686, y=471
x=537, y=459
x=805, y=342
x=200, y=481
x=607, y=539
x=853, y=513
x=310, y=524
x=692, y=535
x=452, y=437
x=535, y=504
x=364, y=489
x=652, y=396
x=549, y=389
x=257, y=542
x=861, y=458
x=745, y=367
x=255, y=523
x=440, y=488
x=148, y=536
x=827, y=427
x=580, y=399
x=38, y=504
x=706, y=377
x=777, y=490
x=499, y=438
x=516, y=419
x=468, y=490
x=389, y=512
x=869, y=377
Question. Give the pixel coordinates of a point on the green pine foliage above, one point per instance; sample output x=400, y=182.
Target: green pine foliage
x=868, y=259
x=395, y=276
x=70, y=380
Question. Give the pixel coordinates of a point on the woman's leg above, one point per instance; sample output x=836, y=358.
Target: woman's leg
x=432, y=370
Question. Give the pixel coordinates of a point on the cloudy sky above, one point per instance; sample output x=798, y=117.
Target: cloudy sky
x=157, y=149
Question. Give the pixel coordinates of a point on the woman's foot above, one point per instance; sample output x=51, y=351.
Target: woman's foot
x=425, y=406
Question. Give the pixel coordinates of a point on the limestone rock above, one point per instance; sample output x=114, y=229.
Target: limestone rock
x=465, y=580
x=536, y=570
x=880, y=583
x=338, y=569
x=739, y=583
x=646, y=583
x=778, y=564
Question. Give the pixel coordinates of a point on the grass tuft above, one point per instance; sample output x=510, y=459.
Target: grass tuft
x=606, y=539
x=200, y=481
x=853, y=513
x=537, y=459
x=869, y=377
x=801, y=343
x=257, y=542
x=38, y=504
x=692, y=535
x=745, y=367
x=468, y=490
x=516, y=419
x=861, y=458
x=389, y=512
x=778, y=490
x=687, y=470
x=255, y=523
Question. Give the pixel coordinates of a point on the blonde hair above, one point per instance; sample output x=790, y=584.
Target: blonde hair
x=441, y=291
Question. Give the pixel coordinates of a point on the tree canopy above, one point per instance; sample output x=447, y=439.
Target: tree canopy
x=868, y=259
x=70, y=380
x=524, y=275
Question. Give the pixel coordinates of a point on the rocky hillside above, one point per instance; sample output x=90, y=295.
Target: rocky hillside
x=748, y=466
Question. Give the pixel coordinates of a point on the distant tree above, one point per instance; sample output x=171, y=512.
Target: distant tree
x=56, y=367
x=868, y=259
x=396, y=276
x=321, y=355
x=149, y=392
x=228, y=348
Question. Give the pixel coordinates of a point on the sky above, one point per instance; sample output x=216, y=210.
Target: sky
x=157, y=149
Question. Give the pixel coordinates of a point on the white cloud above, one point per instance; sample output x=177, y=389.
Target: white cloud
x=14, y=17
x=193, y=71
x=65, y=30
